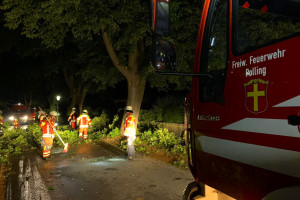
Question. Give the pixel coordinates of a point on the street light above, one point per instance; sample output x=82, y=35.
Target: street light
x=57, y=98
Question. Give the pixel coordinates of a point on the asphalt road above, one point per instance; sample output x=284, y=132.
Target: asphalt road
x=100, y=171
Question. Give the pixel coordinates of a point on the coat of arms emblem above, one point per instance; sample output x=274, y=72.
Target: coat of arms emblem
x=256, y=95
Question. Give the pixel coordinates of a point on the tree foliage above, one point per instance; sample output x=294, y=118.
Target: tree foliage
x=123, y=26
x=168, y=109
x=126, y=21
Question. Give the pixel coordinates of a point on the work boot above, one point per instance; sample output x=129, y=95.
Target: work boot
x=130, y=157
x=47, y=158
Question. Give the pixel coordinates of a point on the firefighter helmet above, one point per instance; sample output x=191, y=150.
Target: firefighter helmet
x=73, y=108
x=85, y=111
x=128, y=108
x=41, y=113
x=53, y=113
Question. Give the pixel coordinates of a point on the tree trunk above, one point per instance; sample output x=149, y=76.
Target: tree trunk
x=135, y=82
x=77, y=89
x=136, y=88
x=82, y=93
x=73, y=101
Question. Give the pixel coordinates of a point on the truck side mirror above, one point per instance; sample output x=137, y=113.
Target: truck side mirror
x=163, y=57
x=160, y=21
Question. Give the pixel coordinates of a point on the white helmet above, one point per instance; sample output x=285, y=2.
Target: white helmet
x=53, y=113
x=73, y=108
x=128, y=108
x=85, y=111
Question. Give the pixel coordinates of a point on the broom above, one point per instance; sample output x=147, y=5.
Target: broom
x=66, y=145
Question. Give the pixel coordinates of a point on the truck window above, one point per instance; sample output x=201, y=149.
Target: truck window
x=259, y=23
x=214, y=53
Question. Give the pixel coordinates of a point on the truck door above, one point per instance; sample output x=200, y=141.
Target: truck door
x=245, y=145
x=209, y=93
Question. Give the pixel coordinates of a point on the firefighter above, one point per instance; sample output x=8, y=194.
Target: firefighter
x=16, y=123
x=130, y=131
x=72, y=118
x=47, y=124
x=1, y=123
x=84, y=121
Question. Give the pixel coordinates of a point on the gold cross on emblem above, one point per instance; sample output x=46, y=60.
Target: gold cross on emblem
x=255, y=94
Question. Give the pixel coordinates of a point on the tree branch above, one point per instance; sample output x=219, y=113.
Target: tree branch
x=111, y=52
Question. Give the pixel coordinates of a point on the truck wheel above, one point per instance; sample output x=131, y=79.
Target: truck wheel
x=193, y=190
x=290, y=193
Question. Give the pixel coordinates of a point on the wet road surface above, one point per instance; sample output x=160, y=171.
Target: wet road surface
x=100, y=171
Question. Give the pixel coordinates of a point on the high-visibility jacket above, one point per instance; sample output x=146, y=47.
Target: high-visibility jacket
x=48, y=134
x=72, y=116
x=72, y=119
x=41, y=118
x=46, y=127
x=130, y=126
x=84, y=120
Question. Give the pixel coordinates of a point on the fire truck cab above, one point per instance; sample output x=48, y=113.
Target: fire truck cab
x=244, y=104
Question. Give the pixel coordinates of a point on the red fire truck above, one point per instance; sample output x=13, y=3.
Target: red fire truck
x=244, y=104
x=21, y=113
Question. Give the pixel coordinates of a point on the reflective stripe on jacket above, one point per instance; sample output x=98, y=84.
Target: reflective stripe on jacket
x=46, y=135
